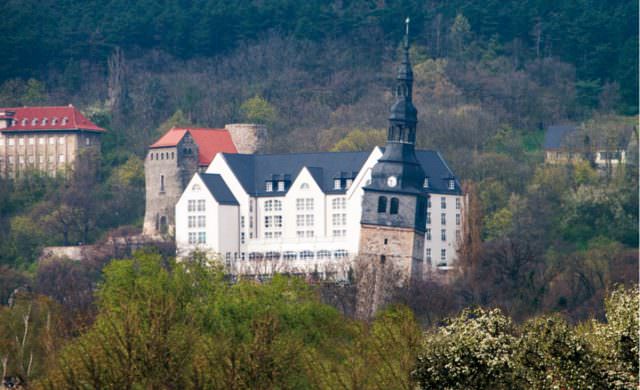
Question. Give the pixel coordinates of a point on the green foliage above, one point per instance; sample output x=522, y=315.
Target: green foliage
x=259, y=110
x=359, y=140
x=471, y=351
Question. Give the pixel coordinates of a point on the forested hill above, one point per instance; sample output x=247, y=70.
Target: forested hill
x=600, y=38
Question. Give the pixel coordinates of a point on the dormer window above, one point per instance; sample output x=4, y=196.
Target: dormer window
x=54, y=121
x=24, y=122
x=426, y=182
x=337, y=184
x=348, y=183
x=44, y=121
x=280, y=185
x=268, y=186
x=452, y=184
x=65, y=120
x=34, y=121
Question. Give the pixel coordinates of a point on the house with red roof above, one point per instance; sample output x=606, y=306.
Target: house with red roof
x=179, y=154
x=47, y=139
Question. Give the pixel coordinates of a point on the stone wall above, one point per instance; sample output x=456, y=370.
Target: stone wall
x=249, y=138
x=167, y=171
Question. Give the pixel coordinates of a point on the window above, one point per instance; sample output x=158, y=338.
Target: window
x=309, y=203
x=268, y=235
x=304, y=186
x=306, y=255
x=201, y=221
x=300, y=234
x=242, y=237
x=161, y=183
x=309, y=219
x=192, y=238
x=34, y=121
x=443, y=219
x=31, y=159
x=21, y=159
x=299, y=204
x=191, y=221
x=393, y=209
x=339, y=219
x=340, y=254
x=277, y=234
x=338, y=203
x=54, y=121
x=195, y=187
x=242, y=222
x=383, y=259
x=323, y=255
x=268, y=186
x=24, y=122
x=41, y=141
x=44, y=121
x=348, y=183
x=288, y=255
x=61, y=158
x=457, y=219
x=201, y=206
x=52, y=141
x=268, y=205
x=277, y=205
x=32, y=141
x=458, y=236
x=191, y=205
x=277, y=221
x=268, y=222
x=443, y=203
x=336, y=184
x=457, y=203
x=428, y=234
x=299, y=220
x=426, y=182
x=443, y=255
x=429, y=203
x=443, y=234
x=429, y=254
x=280, y=185
x=452, y=184
x=87, y=141
x=65, y=120
x=382, y=204
x=61, y=140
x=428, y=218
x=11, y=142
x=339, y=233
x=21, y=141
x=202, y=237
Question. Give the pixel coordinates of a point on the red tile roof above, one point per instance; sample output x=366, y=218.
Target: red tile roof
x=209, y=141
x=48, y=119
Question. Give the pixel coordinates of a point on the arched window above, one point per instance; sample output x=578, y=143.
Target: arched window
x=382, y=204
x=394, y=206
x=304, y=186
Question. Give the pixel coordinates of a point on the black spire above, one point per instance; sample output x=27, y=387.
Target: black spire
x=403, y=112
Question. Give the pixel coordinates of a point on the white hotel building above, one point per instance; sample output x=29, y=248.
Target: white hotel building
x=300, y=213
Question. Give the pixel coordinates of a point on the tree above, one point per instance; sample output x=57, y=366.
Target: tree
x=359, y=140
x=259, y=110
x=471, y=351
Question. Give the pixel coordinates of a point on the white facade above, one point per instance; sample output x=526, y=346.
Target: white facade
x=303, y=230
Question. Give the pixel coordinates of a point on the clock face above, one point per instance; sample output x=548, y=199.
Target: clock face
x=392, y=181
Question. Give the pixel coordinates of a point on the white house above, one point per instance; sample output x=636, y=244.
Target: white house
x=300, y=213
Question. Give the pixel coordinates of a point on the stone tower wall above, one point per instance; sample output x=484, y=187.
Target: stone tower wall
x=177, y=166
x=249, y=138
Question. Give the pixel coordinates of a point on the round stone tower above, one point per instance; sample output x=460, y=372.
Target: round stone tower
x=248, y=137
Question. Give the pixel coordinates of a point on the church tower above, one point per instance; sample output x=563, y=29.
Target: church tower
x=394, y=203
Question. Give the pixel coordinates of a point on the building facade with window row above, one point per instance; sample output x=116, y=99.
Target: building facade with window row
x=301, y=213
x=44, y=139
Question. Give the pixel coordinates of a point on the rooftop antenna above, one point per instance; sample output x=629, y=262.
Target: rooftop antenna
x=406, y=33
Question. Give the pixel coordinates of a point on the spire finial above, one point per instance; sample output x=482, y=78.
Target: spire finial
x=406, y=33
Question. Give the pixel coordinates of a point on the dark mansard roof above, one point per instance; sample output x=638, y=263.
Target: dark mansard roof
x=254, y=170
x=218, y=188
